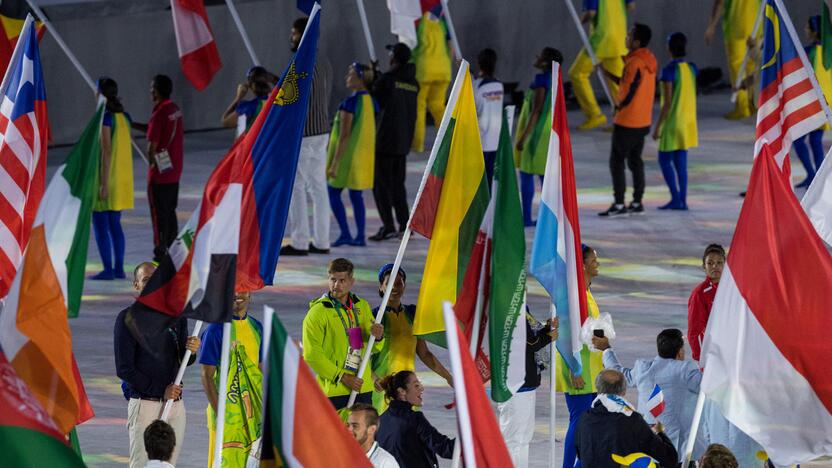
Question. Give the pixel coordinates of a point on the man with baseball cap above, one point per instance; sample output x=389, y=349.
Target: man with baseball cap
x=400, y=346
x=395, y=92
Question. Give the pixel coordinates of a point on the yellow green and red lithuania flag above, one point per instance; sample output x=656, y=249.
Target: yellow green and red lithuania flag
x=28, y=436
x=301, y=427
x=34, y=325
x=451, y=208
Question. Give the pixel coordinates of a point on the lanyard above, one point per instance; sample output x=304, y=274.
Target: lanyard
x=351, y=316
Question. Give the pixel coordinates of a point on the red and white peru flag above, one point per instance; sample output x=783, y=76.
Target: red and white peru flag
x=767, y=348
x=195, y=42
x=485, y=446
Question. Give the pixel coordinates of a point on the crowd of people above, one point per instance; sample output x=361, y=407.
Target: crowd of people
x=380, y=121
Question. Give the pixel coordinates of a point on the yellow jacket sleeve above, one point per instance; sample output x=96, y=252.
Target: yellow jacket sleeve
x=314, y=326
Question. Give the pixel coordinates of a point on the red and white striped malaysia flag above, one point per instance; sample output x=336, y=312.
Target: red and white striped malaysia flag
x=23, y=139
x=789, y=106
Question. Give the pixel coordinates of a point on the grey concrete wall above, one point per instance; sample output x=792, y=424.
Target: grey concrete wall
x=135, y=41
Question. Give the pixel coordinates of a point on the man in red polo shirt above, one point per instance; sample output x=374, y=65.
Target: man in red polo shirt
x=165, y=151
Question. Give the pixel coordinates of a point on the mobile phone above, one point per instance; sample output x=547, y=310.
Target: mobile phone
x=598, y=333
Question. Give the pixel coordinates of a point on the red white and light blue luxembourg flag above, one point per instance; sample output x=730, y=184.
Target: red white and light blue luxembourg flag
x=232, y=240
x=789, y=105
x=767, y=348
x=23, y=136
x=655, y=404
x=556, y=259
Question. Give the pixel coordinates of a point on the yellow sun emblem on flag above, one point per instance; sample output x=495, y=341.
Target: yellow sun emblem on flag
x=289, y=93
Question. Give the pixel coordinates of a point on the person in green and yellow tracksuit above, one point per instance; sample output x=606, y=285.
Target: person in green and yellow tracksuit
x=336, y=330
x=814, y=51
x=676, y=128
x=737, y=26
x=531, y=148
x=579, y=390
x=432, y=57
x=607, y=36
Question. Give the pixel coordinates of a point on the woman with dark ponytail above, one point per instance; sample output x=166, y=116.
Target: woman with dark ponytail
x=115, y=192
x=405, y=433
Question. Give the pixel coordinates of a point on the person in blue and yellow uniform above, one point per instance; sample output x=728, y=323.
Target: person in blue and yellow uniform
x=579, y=390
x=432, y=57
x=115, y=192
x=607, y=36
x=676, y=128
x=241, y=113
x=245, y=379
x=335, y=332
x=531, y=148
x=738, y=18
x=814, y=51
x=400, y=346
x=351, y=153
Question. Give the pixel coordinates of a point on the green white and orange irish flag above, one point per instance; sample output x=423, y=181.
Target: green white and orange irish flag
x=301, y=427
x=451, y=207
x=34, y=325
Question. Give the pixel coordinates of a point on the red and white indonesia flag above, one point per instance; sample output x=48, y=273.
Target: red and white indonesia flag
x=484, y=447
x=195, y=42
x=766, y=351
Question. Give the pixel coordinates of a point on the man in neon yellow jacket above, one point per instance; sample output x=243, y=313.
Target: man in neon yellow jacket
x=737, y=25
x=607, y=36
x=432, y=57
x=336, y=330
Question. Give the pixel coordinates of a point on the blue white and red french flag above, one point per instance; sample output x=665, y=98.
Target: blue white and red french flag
x=789, y=106
x=557, y=261
x=232, y=240
x=24, y=131
x=655, y=404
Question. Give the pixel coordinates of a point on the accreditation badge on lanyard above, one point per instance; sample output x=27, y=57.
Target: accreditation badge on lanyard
x=353, y=359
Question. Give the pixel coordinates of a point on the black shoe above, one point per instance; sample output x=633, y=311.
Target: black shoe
x=383, y=234
x=315, y=250
x=636, y=208
x=614, y=210
x=293, y=252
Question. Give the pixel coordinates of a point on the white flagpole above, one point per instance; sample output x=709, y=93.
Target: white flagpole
x=72, y=58
x=242, y=30
x=553, y=400
x=406, y=236
x=366, y=26
x=179, y=375
x=451, y=29
x=475, y=328
x=588, y=48
x=222, y=394
x=741, y=72
x=694, y=428
x=465, y=430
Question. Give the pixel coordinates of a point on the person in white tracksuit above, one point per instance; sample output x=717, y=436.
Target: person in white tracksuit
x=678, y=379
x=517, y=415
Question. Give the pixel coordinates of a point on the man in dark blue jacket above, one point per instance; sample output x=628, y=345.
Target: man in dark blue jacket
x=149, y=376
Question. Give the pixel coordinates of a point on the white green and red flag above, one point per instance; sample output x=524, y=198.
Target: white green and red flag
x=301, y=427
x=507, y=293
x=34, y=325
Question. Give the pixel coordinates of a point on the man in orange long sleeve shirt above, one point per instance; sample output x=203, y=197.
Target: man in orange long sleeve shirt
x=633, y=117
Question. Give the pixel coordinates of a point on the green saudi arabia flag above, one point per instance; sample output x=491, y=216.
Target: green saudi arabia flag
x=507, y=292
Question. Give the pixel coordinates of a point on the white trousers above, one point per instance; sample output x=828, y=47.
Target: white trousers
x=140, y=413
x=310, y=181
x=517, y=425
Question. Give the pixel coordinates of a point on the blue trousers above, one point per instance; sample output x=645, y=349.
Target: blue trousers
x=489, y=157
x=357, y=200
x=527, y=195
x=674, y=166
x=816, y=142
x=576, y=404
x=109, y=237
